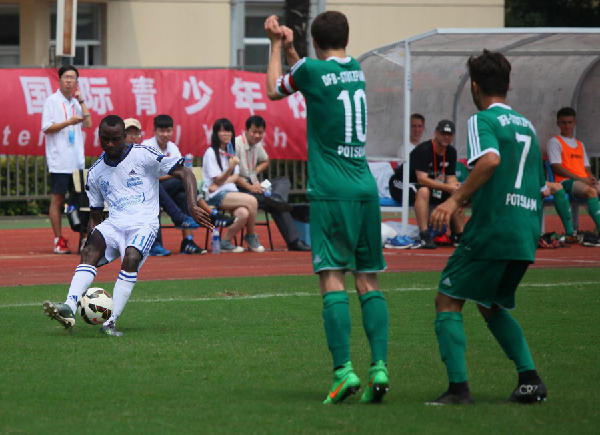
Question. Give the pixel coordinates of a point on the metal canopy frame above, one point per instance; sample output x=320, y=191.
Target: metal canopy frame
x=517, y=43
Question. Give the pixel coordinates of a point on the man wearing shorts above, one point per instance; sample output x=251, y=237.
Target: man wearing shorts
x=63, y=115
x=126, y=178
x=432, y=179
x=571, y=167
x=345, y=218
x=504, y=186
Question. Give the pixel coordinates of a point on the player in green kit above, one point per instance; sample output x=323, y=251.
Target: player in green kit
x=499, y=240
x=345, y=218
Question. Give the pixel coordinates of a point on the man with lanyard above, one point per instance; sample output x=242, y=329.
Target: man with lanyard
x=63, y=115
x=433, y=179
x=254, y=160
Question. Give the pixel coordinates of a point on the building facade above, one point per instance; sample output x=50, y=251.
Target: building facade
x=212, y=33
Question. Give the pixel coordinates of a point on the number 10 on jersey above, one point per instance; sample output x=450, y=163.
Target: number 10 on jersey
x=354, y=107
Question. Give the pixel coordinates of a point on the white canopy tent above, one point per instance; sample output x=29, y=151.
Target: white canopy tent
x=551, y=68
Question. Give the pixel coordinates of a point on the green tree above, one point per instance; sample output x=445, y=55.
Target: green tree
x=552, y=13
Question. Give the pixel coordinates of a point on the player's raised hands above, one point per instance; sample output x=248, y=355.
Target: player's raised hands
x=272, y=28
x=287, y=37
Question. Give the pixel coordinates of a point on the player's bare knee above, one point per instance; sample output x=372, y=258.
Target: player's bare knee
x=131, y=259
x=366, y=282
x=90, y=254
x=446, y=303
x=487, y=312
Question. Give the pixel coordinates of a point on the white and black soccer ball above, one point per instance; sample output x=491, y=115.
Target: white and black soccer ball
x=96, y=306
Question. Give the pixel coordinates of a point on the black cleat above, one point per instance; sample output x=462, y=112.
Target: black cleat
x=464, y=398
x=529, y=393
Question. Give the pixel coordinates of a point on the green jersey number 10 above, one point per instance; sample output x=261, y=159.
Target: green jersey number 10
x=359, y=125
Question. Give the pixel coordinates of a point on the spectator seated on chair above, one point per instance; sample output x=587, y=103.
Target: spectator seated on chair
x=571, y=167
x=417, y=127
x=163, y=132
x=220, y=172
x=432, y=180
x=253, y=161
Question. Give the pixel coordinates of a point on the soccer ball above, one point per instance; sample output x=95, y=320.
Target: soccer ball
x=96, y=306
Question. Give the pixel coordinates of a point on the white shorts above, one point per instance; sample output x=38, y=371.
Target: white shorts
x=117, y=240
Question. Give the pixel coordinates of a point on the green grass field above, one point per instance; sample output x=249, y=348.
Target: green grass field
x=248, y=355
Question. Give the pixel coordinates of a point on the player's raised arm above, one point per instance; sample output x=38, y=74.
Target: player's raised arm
x=274, y=69
x=289, y=51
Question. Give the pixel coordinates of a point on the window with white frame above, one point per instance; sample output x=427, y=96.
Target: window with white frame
x=256, y=44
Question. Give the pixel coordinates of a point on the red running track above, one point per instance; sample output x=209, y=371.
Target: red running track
x=26, y=258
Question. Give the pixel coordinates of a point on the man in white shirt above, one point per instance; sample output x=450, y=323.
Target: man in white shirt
x=126, y=178
x=571, y=168
x=417, y=127
x=163, y=132
x=63, y=115
x=254, y=160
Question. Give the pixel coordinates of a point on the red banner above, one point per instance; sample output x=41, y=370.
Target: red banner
x=194, y=98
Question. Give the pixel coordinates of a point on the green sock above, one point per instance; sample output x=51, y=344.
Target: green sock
x=508, y=333
x=594, y=210
x=376, y=323
x=561, y=204
x=451, y=338
x=336, y=320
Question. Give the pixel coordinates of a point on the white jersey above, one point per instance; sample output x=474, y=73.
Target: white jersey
x=211, y=170
x=130, y=187
x=172, y=150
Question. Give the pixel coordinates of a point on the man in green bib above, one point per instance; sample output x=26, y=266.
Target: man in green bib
x=345, y=218
x=500, y=239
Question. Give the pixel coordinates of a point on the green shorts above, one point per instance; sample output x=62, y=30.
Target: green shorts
x=346, y=235
x=568, y=186
x=486, y=282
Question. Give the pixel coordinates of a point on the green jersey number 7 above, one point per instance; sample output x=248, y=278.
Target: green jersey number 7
x=526, y=141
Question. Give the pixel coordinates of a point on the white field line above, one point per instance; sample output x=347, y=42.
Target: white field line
x=299, y=294
x=537, y=260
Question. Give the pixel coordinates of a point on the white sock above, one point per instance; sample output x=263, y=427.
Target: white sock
x=121, y=293
x=82, y=280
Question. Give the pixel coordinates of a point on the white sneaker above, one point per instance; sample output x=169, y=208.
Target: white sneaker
x=253, y=244
x=227, y=246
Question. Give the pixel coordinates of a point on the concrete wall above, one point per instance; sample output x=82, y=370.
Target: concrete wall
x=196, y=33
x=34, y=32
x=166, y=33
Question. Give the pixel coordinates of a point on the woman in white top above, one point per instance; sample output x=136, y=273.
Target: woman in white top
x=220, y=171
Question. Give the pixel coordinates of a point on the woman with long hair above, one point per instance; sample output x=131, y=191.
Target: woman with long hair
x=220, y=171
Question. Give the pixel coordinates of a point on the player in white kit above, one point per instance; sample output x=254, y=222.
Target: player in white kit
x=126, y=178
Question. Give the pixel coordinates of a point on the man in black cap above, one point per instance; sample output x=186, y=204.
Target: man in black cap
x=432, y=180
